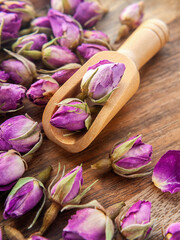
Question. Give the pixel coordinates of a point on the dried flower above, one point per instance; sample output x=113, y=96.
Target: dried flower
x=10, y=24
x=173, y=231
x=20, y=133
x=12, y=167
x=30, y=45
x=132, y=15
x=62, y=24
x=4, y=76
x=166, y=173
x=42, y=25
x=65, y=6
x=94, y=34
x=136, y=224
x=11, y=96
x=42, y=90
x=72, y=114
x=87, y=50
x=20, y=70
x=94, y=12
x=101, y=80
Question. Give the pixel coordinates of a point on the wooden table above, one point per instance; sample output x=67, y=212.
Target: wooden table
x=153, y=112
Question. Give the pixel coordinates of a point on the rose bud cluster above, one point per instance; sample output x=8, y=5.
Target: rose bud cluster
x=173, y=231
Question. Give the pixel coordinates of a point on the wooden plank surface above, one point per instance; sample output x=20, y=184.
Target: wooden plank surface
x=153, y=112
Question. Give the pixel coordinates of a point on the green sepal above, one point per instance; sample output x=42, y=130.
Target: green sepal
x=33, y=54
x=28, y=10
x=135, y=175
x=103, y=99
x=84, y=86
x=20, y=183
x=1, y=28
x=54, y=40
x=68, y=66
x=34, y=149
x=10, y=111
x=88, y=122
x=109, y=229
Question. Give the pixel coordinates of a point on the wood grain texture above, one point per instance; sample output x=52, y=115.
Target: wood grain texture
x=153, y=112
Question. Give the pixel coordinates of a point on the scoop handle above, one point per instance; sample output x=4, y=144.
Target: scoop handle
x=145, y=41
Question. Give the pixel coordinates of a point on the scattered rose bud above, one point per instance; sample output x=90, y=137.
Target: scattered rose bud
x=166, y=173
x=20, y=133
x=42, y=90
x=30, y=46
x=101, y=80
x=72, y=114
x=11, y=97
x=89, y=13
x=4, y=76
x=94, y=34
x=41, y=24
x=10, y=24
x=173, y=231
x=62, y=24
x=62, y=74
x=136, y=224
x=65, y=6
x=56, y=56
x=132, y=15
x=12, y=167
x=20, y=70
x=87, y=50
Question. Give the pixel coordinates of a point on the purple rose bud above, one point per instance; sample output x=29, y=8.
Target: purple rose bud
x=4, y=76
x=166, y=173
x=42, y=90
x=36, y=237
x=94, y=12
x=20, y=133
x=24, y=196
x=30, y=46
x=11, y=96
x=72, y=114
x=62, y=24
x=173, y=231
x=87, y=50
x=94, y=34
x=65, y=6
x=101, y=79
x=12, y=167
x=132, y=15
x=10, y=25
x=41, y=22
x=56, y=56
x=136, y=223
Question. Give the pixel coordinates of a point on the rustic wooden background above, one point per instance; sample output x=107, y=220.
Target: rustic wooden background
x=153, y=112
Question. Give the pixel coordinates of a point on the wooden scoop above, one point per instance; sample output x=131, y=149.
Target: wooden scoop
x=141, y=46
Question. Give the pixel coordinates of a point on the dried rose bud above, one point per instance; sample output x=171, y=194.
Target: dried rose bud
x=101, y=80
x=87, y=50
x=30, y=45
x=132, y=15
x=42, y=90
x=89, y=13
x=4, y=76
x=41, y=24
x=136, y=224
x=10, y=24
x=173, y=231
x=72, y=114
x=62, y=74
x=94, y=34
x=11, y=97
x=20, y=70
x=56, y=56
x=166, y=173
x=62, y=24
x=12, y=167
x=20, y=133
x=65, y=6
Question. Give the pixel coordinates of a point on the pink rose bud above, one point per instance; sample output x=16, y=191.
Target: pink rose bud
x=137, y=224
x=101, y=79
x=166, y=173
x=132, y=15
x=20, y=133
x=4, y=76
x=10, y=25
x=89, y=13
x=12, y=167
x=11, y=97
x=173, y=231
x=42, y=90
x=94, y=34
x=56, y=56
x=30, y=45
x=41, y=22
x=72, y=114
x=65, y=6
x=62, y=24
x=87, y=50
